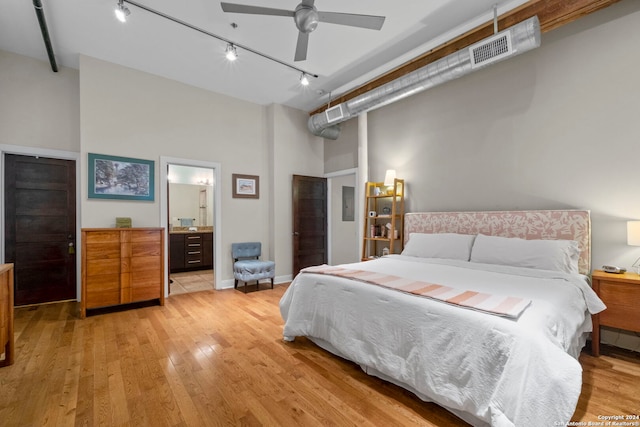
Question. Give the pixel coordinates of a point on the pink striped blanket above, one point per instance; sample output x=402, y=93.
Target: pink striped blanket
x=506, y=306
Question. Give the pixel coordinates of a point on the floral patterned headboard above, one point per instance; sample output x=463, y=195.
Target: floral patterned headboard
x=540, y=224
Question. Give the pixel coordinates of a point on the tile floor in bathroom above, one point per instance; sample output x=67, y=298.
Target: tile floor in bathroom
x=191, y=281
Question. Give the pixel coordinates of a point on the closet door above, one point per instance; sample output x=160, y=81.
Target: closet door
x=40, y=227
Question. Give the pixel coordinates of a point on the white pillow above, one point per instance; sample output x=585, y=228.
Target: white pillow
x=439, y=245
x=555, y=255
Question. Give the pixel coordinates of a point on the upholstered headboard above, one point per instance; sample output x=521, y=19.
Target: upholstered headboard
x=539, y=224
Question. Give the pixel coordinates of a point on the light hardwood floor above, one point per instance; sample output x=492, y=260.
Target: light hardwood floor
x=217, y=358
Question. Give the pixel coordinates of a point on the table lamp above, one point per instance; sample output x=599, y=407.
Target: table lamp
x=633, y=239
x=389, y=180
x=390, y=175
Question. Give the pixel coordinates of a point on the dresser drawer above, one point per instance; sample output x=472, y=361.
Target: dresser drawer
x=193, y=259
x=193, y=239
x=622, y=302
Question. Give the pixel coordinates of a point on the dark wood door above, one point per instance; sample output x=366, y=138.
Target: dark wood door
x=40, y=227
x=309, y=222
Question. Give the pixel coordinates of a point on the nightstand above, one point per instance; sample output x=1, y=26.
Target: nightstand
x=621, y=295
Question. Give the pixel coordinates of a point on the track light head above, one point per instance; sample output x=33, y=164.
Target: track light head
x=304, y=81
x=231, y=52
x=122, y=11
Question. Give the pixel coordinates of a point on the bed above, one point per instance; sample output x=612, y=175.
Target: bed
x=483, y=313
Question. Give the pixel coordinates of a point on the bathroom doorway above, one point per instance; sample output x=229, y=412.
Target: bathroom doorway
x=190, y=200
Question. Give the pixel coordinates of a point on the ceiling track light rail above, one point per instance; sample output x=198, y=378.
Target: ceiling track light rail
x=231, y=43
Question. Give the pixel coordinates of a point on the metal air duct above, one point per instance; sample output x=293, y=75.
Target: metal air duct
x=515, y=40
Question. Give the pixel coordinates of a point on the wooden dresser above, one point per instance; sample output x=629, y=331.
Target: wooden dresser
x=121, y=266
x=6, y=314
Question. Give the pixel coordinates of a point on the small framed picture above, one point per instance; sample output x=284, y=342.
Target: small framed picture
x=246, y=186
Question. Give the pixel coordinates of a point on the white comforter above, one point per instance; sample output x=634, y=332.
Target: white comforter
x=485, y=368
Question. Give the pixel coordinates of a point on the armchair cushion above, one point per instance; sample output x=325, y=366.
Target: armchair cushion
x=253, y=269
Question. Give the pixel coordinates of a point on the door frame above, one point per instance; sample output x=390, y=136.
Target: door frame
x=217, y=213
x=52, y=154
x=357, y=216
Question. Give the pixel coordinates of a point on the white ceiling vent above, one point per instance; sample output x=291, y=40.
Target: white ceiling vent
x=491, y=49
x=334, y=113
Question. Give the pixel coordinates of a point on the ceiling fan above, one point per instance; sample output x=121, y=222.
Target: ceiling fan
x=307, y=17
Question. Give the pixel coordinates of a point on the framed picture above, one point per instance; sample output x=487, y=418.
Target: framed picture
x=112, y=177
x=246, y=186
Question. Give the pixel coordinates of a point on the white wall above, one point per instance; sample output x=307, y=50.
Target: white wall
x=38, y=108
x=134, y=114
x=554, y=128
x=294, y=151
x=342, y=154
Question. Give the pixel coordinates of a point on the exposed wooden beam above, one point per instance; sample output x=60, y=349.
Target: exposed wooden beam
x=551, y=13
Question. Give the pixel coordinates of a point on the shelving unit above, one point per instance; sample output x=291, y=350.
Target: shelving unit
x=384, y=219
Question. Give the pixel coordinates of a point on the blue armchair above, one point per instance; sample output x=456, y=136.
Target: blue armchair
x=247, y=265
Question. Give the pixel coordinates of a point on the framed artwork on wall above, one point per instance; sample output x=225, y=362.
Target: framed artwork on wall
x=246, y=186
x=124, y=178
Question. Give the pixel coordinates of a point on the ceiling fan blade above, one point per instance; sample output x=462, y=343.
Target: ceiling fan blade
x=301, y=46
x=255, y=10
x=371, y=22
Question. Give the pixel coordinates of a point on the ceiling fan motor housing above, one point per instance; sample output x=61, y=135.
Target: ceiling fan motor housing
x=306, y=18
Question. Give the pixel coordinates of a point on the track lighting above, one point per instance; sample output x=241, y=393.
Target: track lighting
x=122, y=11
x=231, y=52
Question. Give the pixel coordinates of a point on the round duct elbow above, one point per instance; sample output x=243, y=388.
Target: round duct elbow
x=331, y=132
x=319, y=127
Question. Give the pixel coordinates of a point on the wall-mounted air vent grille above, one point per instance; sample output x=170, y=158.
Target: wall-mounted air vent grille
x=491, y=50
x=334, y=113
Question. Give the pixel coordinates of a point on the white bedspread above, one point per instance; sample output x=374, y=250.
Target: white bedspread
x=487, y=369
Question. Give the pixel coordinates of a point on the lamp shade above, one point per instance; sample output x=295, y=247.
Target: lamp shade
x=390, y=175
x=633, y=233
